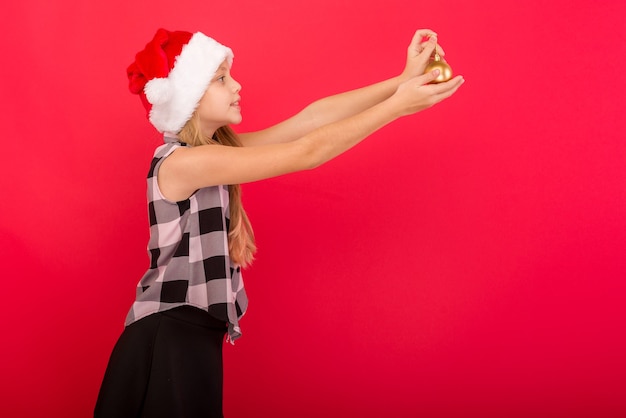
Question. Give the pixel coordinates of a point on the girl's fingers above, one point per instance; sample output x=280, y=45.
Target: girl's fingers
x=440, y=50
x=427, y=49
x=427, y=78
x=447, y=89
x=420, y=34
x=419, y=37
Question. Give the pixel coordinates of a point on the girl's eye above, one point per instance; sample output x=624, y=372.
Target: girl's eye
x=221, y=79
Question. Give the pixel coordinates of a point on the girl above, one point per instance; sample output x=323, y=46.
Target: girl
x=168, y=360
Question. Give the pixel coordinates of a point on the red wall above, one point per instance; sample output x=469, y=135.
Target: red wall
x=464, y=262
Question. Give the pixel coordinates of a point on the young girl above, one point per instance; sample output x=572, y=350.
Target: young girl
x=168, y=360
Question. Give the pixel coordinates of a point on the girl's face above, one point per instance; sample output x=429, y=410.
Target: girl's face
x=220, y=104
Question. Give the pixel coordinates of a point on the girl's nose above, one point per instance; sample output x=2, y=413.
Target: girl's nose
x=236, y=85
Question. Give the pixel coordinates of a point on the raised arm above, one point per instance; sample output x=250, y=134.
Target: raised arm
x=189, y=169
x=344, y=105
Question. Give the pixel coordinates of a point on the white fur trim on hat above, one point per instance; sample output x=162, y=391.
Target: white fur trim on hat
x=175, y=98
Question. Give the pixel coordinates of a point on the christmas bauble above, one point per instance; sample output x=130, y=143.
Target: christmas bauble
x=436, y=63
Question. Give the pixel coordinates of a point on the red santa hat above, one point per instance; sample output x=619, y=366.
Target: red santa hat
x=172, y=73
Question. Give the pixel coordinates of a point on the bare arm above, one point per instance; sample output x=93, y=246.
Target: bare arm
x=189, y=169
x=322, y=112
x=344, y=105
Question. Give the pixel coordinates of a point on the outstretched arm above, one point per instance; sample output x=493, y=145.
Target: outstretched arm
x=189, y=169
x=344, y=105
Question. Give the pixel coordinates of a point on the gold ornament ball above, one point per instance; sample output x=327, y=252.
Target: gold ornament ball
x=445, y=72
x=436, y=63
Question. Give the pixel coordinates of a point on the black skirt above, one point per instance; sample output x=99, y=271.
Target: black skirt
x=168, y=364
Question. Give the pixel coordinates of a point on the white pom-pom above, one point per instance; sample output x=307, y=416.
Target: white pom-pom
x=158, y=90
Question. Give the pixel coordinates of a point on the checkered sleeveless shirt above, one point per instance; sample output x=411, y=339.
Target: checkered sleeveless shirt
x=188, y=251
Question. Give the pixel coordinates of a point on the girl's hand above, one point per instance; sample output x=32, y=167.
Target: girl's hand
x=418, y=53
x=416, y=94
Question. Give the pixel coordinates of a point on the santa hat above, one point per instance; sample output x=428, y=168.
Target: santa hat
x=172, y=73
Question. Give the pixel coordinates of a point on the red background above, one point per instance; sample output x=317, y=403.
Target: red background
x=464, y=262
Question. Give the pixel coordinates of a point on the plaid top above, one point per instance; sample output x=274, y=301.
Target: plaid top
x=188, y=251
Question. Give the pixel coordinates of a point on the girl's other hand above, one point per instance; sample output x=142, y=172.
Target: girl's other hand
x=416, y=94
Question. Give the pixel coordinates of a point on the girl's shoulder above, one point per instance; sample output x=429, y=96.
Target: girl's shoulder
x=167, y=148
x=160, y=153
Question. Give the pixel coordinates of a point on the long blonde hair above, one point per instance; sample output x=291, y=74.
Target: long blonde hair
x=241, y=244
